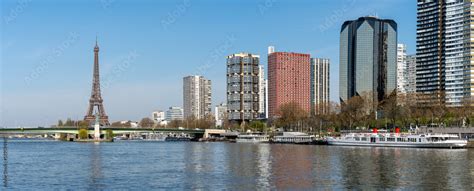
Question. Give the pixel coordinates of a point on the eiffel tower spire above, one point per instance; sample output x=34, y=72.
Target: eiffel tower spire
x=96, y=100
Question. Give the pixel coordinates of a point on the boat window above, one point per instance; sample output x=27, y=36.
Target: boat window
x=399, y=139
x=381, y=139
x=364, y=138
x=419, y=139
x=357, y=139
x=391, y=139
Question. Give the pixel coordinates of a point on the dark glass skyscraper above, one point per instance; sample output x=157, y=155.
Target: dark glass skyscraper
x=368, y=58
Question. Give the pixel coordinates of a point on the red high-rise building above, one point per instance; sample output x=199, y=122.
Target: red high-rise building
x=289, y=78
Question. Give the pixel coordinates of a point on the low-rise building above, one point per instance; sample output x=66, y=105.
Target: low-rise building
x=159, y=117
x=220, y=114
x=174, y=113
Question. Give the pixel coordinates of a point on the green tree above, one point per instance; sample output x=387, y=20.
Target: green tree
x=258, y=126
x=109, y=134
x=83, y=134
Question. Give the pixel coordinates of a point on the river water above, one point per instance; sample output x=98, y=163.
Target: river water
x=53, y=165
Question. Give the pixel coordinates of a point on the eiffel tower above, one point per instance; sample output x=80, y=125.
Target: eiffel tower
x=96, y=99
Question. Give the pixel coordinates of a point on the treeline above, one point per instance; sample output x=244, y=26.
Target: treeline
x=189, y=123
x=362, y=112
x=204, y=123
x=71, y=123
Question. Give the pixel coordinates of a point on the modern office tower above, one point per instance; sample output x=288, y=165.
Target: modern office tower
x=368, y=58
x=443, y=51
x=411, y=64
x=243, y=99
x=288, y=81
x=319, y=86
x=261, y=94
x=220, y=114
x=196, y=97
x=402, y=69
x=174, y=113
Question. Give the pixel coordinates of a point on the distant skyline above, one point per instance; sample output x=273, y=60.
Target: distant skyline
x=147, y=47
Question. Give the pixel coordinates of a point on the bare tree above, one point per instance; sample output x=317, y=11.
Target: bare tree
x=352, y=111
x=392, y=110
x=121, y=124
x=175, y=123
x=292, y=116
x=146, y=122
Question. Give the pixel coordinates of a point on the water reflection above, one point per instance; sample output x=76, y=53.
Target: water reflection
x=264, y=166
x=292, y=166
x=199, y=159
x=283, y=167
x=470, y=167
x=96, y=167
x=391, y=168
x=226, y=166
x=326, y=168
x=5, y=161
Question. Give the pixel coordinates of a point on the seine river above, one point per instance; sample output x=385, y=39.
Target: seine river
x=53, y=165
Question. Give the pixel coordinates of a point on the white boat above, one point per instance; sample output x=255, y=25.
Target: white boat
x=399, y=140
x=155, y=137
x=252, y=138
x=294, y=137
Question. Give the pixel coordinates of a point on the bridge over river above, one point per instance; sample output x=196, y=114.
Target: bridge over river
x=116, y=130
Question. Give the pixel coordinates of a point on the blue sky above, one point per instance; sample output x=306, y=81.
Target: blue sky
x=146, y=47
